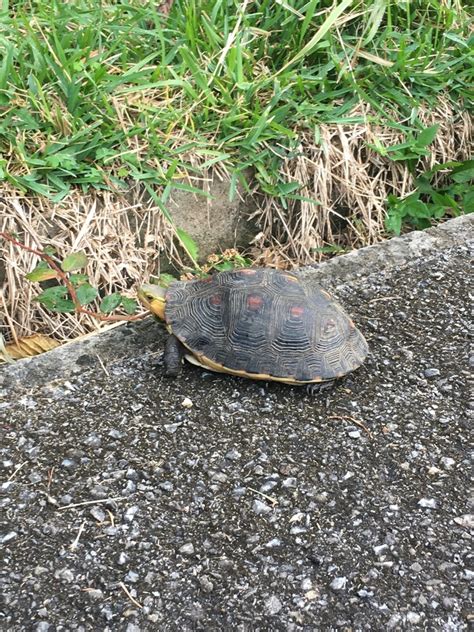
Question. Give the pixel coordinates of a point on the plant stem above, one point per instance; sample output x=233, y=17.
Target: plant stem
x=78, y=308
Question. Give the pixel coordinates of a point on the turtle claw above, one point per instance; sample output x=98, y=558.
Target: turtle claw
x=319, y=387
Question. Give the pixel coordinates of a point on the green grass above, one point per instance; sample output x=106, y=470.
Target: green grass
x=93, y=94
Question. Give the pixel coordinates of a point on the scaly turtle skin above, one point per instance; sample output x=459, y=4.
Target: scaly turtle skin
x=260, y=323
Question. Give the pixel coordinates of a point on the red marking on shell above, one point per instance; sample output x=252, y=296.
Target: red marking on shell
x=254, y=302
x=297, y=311
x=248, y=271
x=216, y=299
x=291, y=278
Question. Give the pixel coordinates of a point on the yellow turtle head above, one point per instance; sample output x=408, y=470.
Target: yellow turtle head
x=153, y=297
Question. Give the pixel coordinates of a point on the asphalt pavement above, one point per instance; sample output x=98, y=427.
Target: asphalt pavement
x=132, y=502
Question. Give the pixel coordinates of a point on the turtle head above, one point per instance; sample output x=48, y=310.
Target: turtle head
x=153, y=297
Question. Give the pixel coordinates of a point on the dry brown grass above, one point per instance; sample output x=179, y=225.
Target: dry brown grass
x=352, y=183
x=124, y=235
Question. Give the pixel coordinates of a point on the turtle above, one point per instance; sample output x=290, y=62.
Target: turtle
x=258, y=323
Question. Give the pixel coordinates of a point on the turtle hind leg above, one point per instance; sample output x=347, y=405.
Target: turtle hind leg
x=319, y=387
x=173, y=356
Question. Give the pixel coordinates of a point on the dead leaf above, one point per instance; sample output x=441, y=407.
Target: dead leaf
x=27, y=347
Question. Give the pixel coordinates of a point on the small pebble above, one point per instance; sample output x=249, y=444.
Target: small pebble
x=428, y=503
x=115, y=434
x=206, y=584
x=132, y=577
x=166, y=486
x=98, y=514
x=430, y=373
x=297, y=517
x=297, y=530
x=447, y=462
x=268, y=486
x=273, y=605
x=354, y=434
x=171, y=428
x=273, y=543
x=233, y=455
x=187, y=549
x=466, y=521
x=130, y=513
x=220, y=477
x=68, y=464
x=338, y=583
x=93, y=440
x=8, y=537
x=306, y=584
x=260, y=508
x=187, y=403
x=413, y=617
x=65, y=574
x=448, y=603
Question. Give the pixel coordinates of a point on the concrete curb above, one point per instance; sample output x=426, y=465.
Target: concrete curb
x=130, y=340
x=395, y=252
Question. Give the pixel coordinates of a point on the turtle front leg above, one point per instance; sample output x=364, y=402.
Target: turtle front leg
x=173, y=356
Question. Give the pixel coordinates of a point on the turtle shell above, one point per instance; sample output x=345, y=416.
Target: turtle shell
x=264, y=324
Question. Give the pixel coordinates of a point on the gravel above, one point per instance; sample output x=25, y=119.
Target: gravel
x=257, y=507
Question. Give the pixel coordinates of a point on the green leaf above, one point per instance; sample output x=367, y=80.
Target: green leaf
x=54, y=298
x=78, y=278
x=467, y=202
x=129, y=305
x=53, y=293
x=328, y=249
x=166, y=279
x=225, y=265
x=188, y=244
x=464, y=173
x=74, y=261
x=393, y=223
x=443, y=199
x=42, y=272
x=86, y=293
x=427, y=136
x=418, y=209
x=63, y=306
x=110, y=302
x=438, y=211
